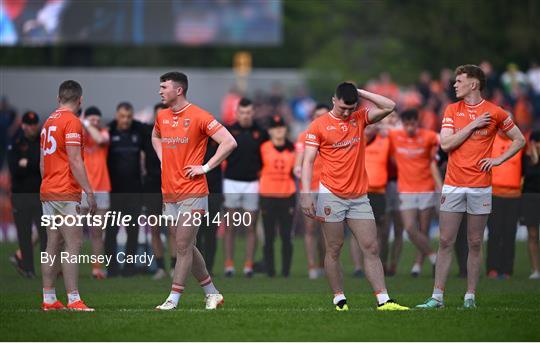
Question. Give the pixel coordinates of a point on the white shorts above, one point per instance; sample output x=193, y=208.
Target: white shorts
x=103, y=200
x=333, y=209
x=62, y=208
x=184, y=210
x=392, y=199
x=241, y=194
x=466, y=199
x=421, y=201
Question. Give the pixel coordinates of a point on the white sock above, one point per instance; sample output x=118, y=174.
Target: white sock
x=469, y=295
x=208, y=286
x=432, y=258
x=176, y=292
x=338, y=298
x=382, y=297
x=438, y=294
x=73, y=296
x=416, y=268
x=49, y=295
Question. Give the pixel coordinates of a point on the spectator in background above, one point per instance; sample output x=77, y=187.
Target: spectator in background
x=277, y=191
x=377, y=157
x=502, y=223
x=23, y=161
x=534, y=81
x=423, y=86
x=8, y=125
x=124, y=162
x=229, y=104
x=313, y=239
x=530, y=215
x=392, y=216
x=492, y=81
x=96, y=146
x=153, y=201
x=302, y=105
x=206, y=236
x=241, y=184
x=514, y=83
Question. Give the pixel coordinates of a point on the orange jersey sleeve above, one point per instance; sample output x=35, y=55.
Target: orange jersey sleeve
x=341, y=148
x=61, y=129
x=317, y=164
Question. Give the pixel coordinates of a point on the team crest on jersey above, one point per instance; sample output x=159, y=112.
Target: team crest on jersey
x=353, y=123
x=443, y=199
x=327, y=210
x=343, y=127
x=186, y=122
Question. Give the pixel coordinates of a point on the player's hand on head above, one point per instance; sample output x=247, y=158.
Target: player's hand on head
x=306, y=202
x=192, y=171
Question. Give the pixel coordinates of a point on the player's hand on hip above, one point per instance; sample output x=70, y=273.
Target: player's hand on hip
x=306, y=202
x=487, y=163
x=482, y=121
x=192, y=171
x=92, y=205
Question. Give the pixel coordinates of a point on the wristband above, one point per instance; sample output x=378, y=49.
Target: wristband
x=206, y=168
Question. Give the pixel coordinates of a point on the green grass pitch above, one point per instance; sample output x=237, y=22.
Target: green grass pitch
x=278, y=309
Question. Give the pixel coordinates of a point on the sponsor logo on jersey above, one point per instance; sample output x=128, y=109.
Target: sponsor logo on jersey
x=175, y=140
x=73, y=135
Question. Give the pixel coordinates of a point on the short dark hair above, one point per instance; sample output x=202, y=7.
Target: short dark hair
x=411, y=114
x=473, y=71
x=245, y=102
x=321, y=106
x=69, y=91
x=178, y=77
x=125, y=105
x=347, y=92
x=159, y=106
x=92, y=111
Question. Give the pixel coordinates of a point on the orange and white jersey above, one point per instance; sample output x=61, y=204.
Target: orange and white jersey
x=300, y=146
x=95, y=162
x=61, y=129
x=377, y=154
x=413, y=157
x=463, y=163
x=184, y=135
x=341, y=146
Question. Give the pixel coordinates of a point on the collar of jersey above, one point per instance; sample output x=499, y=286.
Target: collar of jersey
x=181, y=110
x=336, y=118
x=475, y=105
